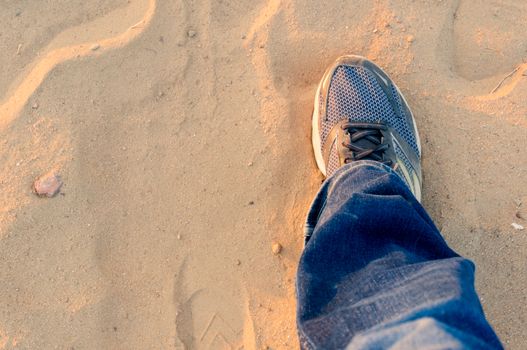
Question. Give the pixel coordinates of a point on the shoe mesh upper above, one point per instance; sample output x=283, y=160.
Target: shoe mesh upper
x=355, y=94
x=334, y=162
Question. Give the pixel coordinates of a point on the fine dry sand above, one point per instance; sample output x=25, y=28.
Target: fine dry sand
x=181, y=130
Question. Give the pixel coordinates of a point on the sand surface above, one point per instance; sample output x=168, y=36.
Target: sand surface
x=181, y=131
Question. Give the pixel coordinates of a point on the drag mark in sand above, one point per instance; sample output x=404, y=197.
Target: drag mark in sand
x=11, y=106
x=264, y=17
x=258, y=35
x=503, y=89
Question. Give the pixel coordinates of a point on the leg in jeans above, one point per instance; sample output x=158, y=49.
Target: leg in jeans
x=376, y=273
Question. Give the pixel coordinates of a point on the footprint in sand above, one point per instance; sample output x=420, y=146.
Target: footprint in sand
x=88, y=39
x=211, y=319
x=494, y=49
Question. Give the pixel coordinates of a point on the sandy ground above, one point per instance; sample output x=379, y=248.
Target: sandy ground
x=181, y=130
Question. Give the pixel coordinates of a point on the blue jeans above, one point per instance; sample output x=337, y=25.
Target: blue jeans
x=376, y=273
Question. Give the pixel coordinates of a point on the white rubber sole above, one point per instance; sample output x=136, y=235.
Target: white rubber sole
x=315, y=134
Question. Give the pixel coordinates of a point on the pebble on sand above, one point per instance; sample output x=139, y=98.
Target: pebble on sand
x=191, y=33
x=47, y=185
x=95, y=47
x=517, y=226
x=276, y=248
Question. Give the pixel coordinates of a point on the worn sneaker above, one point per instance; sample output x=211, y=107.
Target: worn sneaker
x=361, y=114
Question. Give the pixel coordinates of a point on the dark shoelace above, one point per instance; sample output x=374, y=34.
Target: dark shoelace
x=366, y=142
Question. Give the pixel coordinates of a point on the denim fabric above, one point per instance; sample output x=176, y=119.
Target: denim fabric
x=376, y=273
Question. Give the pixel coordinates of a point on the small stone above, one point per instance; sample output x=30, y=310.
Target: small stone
x=95, y=47
x=250, y=164
x=410, y=38
x=47, y=185
x=35, y=106
x=517, y=226
x=178, y=236
x=18, y=13
x=276, y=248
x=375, y=30
x=191, y=33
x=238, y=262
x=251, y=203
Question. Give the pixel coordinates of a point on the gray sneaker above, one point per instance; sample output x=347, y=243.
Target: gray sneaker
x=361, y=114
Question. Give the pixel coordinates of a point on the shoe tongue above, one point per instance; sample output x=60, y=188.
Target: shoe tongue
x=366, y=144
x=363, y=143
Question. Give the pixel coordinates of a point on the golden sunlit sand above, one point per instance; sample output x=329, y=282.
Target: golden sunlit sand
x=181, y=133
